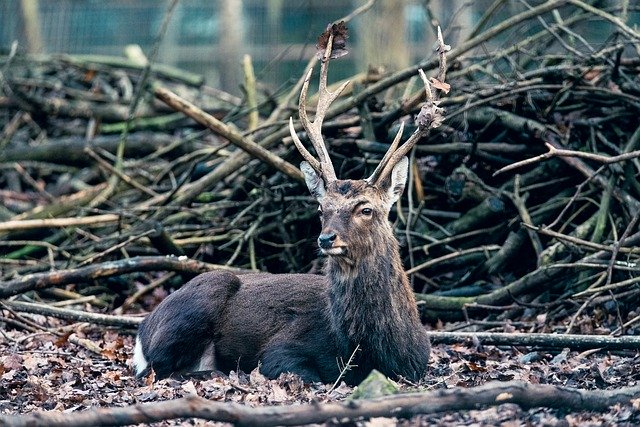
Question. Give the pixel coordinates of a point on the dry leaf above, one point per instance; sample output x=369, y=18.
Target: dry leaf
x=12, y=361
x=340, y=35
x=150, y=379
x=189, y=388
x=445, y=87
x=63, y=339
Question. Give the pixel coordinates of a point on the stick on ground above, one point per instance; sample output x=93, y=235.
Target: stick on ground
x=400, y=406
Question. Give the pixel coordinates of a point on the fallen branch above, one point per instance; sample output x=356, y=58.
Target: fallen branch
x=401, y=406
x=574, y=342
x=29, y=224
x=36, y=281
x=235, y=137
x=77, y=315
x=578, y=241
x=447, y=307
x=70, y=150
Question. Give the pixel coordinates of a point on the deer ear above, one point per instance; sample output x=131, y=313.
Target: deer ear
x=315, y=184
x=398, y=180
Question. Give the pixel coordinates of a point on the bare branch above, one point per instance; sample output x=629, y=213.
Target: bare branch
x=555, y=152
x=29, y=224
x=89, y=273
x=578, y=241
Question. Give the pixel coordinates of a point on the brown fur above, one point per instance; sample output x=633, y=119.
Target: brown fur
x=371, y=303
x=305, y=323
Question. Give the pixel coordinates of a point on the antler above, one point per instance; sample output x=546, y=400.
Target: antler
x=430, y=116
x=324, y=167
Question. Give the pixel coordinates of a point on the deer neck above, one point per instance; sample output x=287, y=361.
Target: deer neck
x=371, y=303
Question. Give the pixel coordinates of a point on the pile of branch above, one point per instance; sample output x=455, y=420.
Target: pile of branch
x=524, y=203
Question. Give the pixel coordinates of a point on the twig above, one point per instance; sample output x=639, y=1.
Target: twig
x=347, y=367
x=114, y=248
x=119, y=173
x=619, y=243
x=584, y=305
x=573, y=341
x=520, y=203
x=578, y=241
x=435, y=261
x=554, y=152
x=607, y=16
x=574, y=197
x=145, y=290
x=609, y=287
x=235, y=137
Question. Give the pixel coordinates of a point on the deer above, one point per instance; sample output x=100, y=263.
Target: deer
x=362, y=309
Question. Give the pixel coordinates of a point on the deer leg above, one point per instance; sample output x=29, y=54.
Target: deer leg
x=283, y=357
x=178, y=336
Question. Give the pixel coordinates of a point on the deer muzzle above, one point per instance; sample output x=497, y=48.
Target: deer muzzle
x=331, y=244
x=325, y=240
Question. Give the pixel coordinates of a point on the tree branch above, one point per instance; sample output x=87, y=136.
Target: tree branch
x=36, y=281
x=572, y=341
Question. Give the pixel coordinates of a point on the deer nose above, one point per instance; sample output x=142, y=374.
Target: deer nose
x=325, y=240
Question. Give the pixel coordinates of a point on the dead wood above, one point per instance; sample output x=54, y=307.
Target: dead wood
x=71, y=151
x=560, y=341
x=232, y=135
x=399, y=406
x=27, y=224
x=106, y=269
x=75, y=315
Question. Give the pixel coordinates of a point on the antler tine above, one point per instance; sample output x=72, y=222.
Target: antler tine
x=393, y=154
x=314, y=129
x=301, y=148
x=392, y=148
x=398, y=154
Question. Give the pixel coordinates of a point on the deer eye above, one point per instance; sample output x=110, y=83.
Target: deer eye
x=319, y=211
x=366, y=211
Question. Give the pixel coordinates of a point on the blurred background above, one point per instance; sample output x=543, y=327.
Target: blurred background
x=210, y=37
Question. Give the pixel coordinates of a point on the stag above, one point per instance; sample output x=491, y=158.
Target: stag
x=362, y=309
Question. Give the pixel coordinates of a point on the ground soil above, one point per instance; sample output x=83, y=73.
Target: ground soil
x=42, y=372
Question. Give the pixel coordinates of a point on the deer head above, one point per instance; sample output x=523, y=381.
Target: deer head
x=354, y=212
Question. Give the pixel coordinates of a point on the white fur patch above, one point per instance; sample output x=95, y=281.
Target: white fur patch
x=208, y=359
x=139, y=362
x=332, y=251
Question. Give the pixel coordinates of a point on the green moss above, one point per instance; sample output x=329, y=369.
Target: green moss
x=375, y=385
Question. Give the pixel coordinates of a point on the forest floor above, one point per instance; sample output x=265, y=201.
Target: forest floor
x=43, y=372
